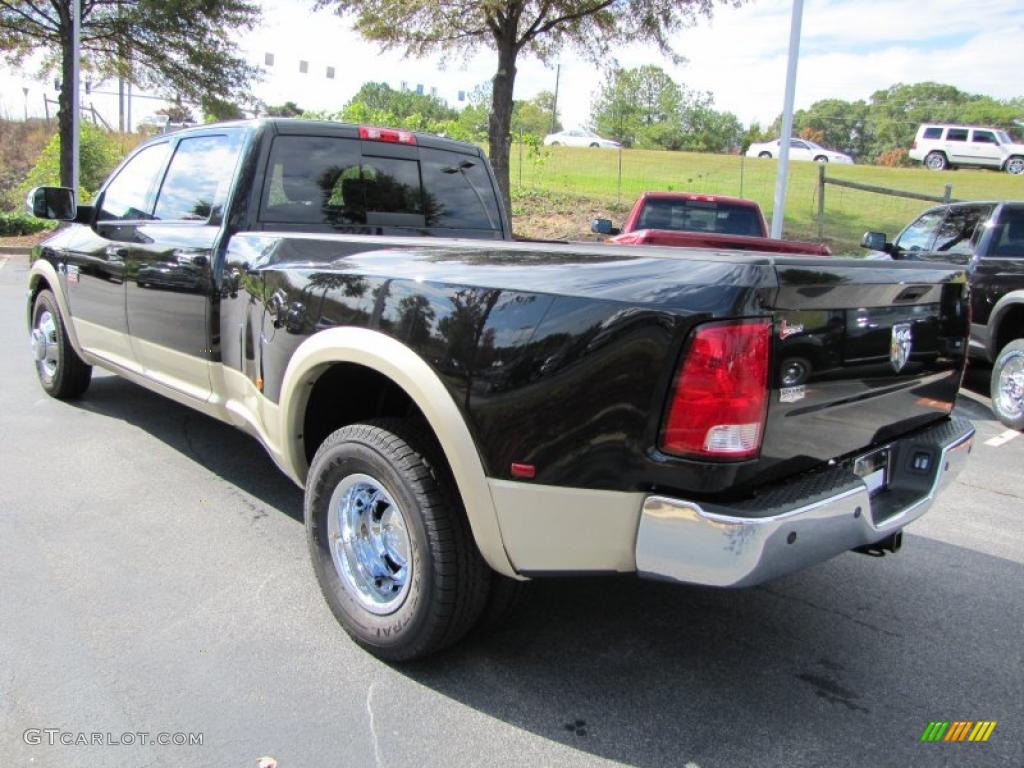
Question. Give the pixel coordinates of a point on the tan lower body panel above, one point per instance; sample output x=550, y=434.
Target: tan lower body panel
x=548, y=528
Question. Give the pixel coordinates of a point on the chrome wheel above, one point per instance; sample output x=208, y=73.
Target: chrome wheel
x=369, y=543
x=935, y=161
x=45, y=349
x=1010, y=387
x=795, y=371
x=1015, y=165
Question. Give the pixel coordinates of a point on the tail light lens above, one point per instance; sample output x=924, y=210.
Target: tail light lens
x=720, y=399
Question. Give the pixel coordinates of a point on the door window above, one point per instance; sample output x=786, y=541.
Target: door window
x=956, y=134
x=956, y=234
x=932, y=133
x=1008, y=240
x=131, y=193
x=984, y=137
x=197, y=181
x=919, y=235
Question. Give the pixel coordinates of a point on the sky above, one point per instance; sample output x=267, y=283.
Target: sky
x=848, y=49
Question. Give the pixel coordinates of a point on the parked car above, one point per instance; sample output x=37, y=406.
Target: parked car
x=465, y=411
x=987, y=238
x=686, y=219
x=951, y=146
x=577, y=137
x=799, y=149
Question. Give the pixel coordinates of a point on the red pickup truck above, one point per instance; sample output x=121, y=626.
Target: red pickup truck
x=700, y=221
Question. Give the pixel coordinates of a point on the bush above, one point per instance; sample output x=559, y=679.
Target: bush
x=894, y=158
x=20, y=145
x=98, y=153
x=14, y=224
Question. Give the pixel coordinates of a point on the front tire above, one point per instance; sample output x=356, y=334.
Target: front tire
x=765, y=155
x=821, y=159
x=62, y=373
x=936, y=161
x=390, y=543
x=1015, y=165
x=1007, y=386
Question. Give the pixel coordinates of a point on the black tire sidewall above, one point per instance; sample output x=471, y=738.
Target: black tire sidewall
x=45, y=301
x=390, y=632
x=1011, y=350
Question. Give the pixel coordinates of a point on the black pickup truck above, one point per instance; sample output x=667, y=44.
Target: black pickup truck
x=466, y=411
x=987, y=239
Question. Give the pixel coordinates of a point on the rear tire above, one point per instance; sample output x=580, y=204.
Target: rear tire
x=594, y=145
x=62, y=373
x=765, y=155
x=1007, y=386
x=821, y=159
x=390, y=543
x=1015, y=165
x=936, y=161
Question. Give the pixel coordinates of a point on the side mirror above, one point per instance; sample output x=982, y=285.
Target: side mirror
x=57, y=203
x=874, y=241
x=603, y=227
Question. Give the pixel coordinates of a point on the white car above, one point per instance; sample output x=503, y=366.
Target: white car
x=799, y=149
x=948, y=146
x=577, y=137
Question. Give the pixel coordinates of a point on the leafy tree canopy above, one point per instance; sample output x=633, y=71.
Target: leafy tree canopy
x=183, y=47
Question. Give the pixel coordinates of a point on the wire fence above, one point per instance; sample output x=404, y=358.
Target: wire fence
x=615, y=178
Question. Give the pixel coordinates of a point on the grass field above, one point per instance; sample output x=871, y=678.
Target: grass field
x=578, y=182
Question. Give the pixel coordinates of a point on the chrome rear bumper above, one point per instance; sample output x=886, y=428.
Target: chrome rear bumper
x=801, y=523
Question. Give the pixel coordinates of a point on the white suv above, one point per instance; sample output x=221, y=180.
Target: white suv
x=948, y=146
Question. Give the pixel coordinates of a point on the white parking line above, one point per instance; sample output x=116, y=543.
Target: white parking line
x=1002, y=439
x=3, y=262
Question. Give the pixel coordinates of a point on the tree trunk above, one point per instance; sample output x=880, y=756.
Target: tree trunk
x=499, y=126
x=65, y=126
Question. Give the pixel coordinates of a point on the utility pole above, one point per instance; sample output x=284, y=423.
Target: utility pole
x=554, y=102
x=76, y=118
x=24, y=90
x=782, y=179
x=120, y=104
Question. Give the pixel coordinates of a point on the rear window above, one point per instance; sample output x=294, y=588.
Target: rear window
x=956, y=134
x=956, y=234
x=328, y=181
x=700, y=216
x=1009, y=237
x=932, y=133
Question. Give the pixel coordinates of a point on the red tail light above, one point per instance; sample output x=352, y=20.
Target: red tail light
x=721, y=394
x=371, y=133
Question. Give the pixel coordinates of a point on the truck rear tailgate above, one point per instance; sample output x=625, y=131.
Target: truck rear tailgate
x=862, y=353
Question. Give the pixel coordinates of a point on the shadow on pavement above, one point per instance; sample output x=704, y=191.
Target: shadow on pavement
x=221, y=448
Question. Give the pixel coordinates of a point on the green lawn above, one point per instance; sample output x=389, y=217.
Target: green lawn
x=594, y=174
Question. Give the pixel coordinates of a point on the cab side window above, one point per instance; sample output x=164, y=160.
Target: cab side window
x=919, y=235
x=957, y=233
x=197, y=181
x=1008, y=240
x=130, y=196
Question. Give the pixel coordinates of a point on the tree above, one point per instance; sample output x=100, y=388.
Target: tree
x=288, y=109
x=176, y=113
x=182, y=46
x=836, y=124
x=512, y=27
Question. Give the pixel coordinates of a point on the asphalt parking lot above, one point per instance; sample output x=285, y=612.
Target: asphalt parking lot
x=155, y=579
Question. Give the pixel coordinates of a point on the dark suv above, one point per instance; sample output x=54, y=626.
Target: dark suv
x=989, y=238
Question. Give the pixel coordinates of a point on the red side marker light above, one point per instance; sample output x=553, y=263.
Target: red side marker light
x=527, y=471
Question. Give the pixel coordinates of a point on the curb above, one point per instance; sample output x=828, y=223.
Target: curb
x=15, y=250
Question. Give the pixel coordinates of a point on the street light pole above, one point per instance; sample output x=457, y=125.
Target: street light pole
x=782, y=179
x=76, y=28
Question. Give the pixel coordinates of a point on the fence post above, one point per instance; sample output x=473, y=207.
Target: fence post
x=618, y=188
x=821, y=202
x=948, y=194
x=520, y=159
x=741, y=174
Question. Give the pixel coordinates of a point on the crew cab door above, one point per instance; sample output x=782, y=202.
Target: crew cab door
x=96, y=262
x=170, y=281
